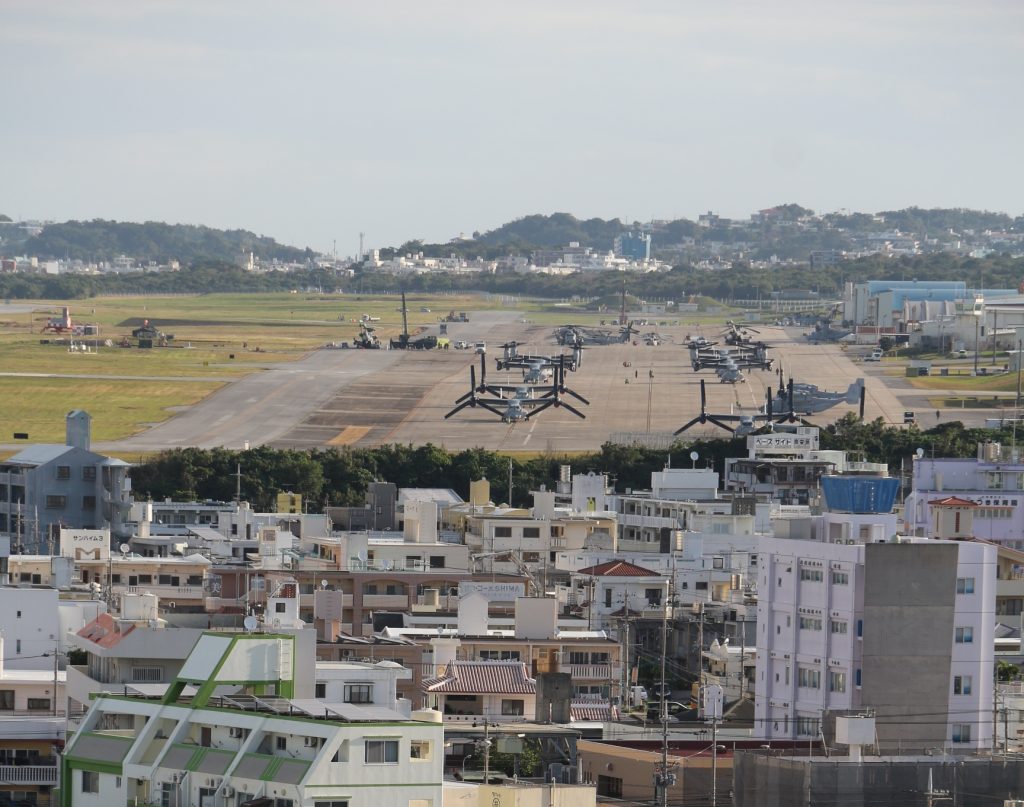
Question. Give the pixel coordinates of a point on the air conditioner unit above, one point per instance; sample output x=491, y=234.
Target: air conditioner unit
x=236, y=732
x=228, y=791
x=311, y=742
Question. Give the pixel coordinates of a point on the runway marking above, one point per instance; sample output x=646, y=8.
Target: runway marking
x=349, y=435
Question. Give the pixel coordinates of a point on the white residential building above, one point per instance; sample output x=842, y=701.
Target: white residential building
x=850, y=617
x=261, y=746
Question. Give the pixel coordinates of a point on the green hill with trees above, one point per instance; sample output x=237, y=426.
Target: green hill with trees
x=100, y=240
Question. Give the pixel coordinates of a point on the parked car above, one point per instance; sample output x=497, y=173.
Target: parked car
x=876, y=355
x=909, y=418
x=672, y=707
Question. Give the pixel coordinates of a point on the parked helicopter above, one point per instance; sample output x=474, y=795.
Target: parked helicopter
x=808, y=399
x=512, y=358
x=521, y=405
x=585, y=335
x=749, y=357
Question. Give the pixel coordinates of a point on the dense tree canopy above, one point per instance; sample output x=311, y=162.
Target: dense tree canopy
x=339, y=476
x=100, y=240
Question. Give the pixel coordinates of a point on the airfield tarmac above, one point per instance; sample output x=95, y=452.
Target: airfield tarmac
x=365, y=398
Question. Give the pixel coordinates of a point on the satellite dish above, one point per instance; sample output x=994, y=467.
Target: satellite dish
x=323, y=584
x=125, y=549
x=694, y=455
x=920, y=453
x=250, y=623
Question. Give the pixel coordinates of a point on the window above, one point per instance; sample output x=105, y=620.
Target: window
x=860, y=628
x=90, y=782
x=836, y=681
x=281, y=803
x=701, y=585
x=810, y=623
x=89, y=472
x=807, y=726
x=511, y=707
x=531, y=532
x=961, y=732
x=965, y=585
x=840, y=578
x=502, y=532
x=500, y=655
x=808, y=678
x=856, y=677
x=63, y=471
x=811, y=575
x=838, y=626
x=56, y=502
x=281, y=743
x=653, y=595
x=358, y=693
x=962, y=685
x=419, y=749
x=143, y=674
x=965, y=635
x=379, y=752
x=321, y=690
x=437, y=561
x=610, y=786
x=280, y=607
x=531, y=557
x=6, y=700
x=88, y=502
x=334, y=803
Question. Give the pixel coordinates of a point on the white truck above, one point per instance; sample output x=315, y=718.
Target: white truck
x=876, y=355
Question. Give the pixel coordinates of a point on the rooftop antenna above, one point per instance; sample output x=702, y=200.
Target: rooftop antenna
x=360, y=256
x=238, y=482
x=622, y=310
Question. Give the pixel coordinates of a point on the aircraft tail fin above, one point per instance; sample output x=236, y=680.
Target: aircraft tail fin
x=853, y=391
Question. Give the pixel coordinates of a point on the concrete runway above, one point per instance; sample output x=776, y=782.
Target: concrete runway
x=367, y=398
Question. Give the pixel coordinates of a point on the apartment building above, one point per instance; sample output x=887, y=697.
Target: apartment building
x=262, y=745
x=45, y=487
x=993, y=480
x=851, y=616
x=33, y=723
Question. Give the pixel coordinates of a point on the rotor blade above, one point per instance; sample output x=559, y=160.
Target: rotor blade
x=703, y=398
x=863, y=393
x=541, y=407
x=472, y=386
x=576, y=395
x=460, y=407
x=571, y=408
x=720, y=424
x=683, y=428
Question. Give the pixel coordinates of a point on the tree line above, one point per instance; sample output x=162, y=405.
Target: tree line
x=340, y=476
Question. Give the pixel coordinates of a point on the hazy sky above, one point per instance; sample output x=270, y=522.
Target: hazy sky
x=310, y=121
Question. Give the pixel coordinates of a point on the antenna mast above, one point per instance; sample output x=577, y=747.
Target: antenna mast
x=622, y=308
x=238, y=482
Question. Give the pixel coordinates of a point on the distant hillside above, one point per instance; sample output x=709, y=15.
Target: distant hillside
x=556, y=230
x=100, y=240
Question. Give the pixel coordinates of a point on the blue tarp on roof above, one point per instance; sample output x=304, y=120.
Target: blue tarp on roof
x=857, y=494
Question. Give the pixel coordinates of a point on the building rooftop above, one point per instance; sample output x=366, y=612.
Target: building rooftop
x=618, y=568
x=478, y=677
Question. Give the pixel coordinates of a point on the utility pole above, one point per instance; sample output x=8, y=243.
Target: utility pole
x=487, y=751
x=238, y=482
x=663, y=780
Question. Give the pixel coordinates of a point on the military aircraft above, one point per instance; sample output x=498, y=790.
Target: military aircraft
x=521, y=405
x=574, y=335
x=735, y=334
x=749, y=357
x=745, y=424
x=512, y=358
x=808, y=399
x=823, y=330
x=729, y=372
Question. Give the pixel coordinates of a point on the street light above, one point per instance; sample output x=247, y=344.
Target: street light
x=978, y=313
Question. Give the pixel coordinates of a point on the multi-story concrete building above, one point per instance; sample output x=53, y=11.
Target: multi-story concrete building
x=852, y=617
x=993, y=480
x=46, y=487
x=262, y=745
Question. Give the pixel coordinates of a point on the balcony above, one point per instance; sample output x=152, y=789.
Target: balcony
x=386, y=601
x=165, y=593
x=600, y=672
x=28, y=774
x=1014, y=587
